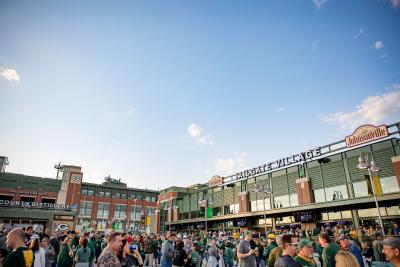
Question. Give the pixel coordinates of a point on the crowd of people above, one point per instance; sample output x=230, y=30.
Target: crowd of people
x=339, y=246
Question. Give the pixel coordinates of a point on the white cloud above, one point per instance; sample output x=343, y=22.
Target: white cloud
x=228, y=166
x=359, y=33
x=395, y=4
x=9, y=74
x=319, y=3
x=379, y=45
x=130, y=111
x=373, y=109
x=279, y=109
x=196, y=133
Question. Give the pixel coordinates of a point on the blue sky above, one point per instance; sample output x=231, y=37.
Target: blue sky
x=163, y=93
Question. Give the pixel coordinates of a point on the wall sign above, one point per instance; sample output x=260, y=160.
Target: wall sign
x=283, y=162
x=365, y=134
x=216, y=180
x=27, y=204
x=76, y=179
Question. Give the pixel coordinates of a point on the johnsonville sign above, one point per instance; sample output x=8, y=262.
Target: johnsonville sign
x=366, y=134
x=216, y=180
x=26, y=204
x=280, y=163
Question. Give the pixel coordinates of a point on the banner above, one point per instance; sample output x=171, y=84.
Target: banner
x=209, y=212
x=377, y=185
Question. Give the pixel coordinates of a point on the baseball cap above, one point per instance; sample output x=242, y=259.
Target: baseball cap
x=247, y=233
x=392, y=241
x=304, y=243
x=271, y=236
x=172, y=234
x=343, y=237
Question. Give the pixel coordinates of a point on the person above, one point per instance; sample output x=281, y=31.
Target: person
x=167, y=250
x=346, y=245
x=82, y=256
x=3, y=255
x=391, y=249
x=109, y=255
x=129, y=256
x=245, y=252
x=49, y=252
x=20, y=255
x=368, y=252
x=345, y=259
x=329, y=250
x=40, y=258
x=396, y=229
x=149, y=249
x=55, y=243
x=213, y=255
x=305, y=257
x=179, y=255
x=271, y=245
x=289, y=245
x=229, y=255
x=275, y=252
x=65, y=257
x=27, y=235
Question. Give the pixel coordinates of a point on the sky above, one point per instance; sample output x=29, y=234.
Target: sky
x=171, y=93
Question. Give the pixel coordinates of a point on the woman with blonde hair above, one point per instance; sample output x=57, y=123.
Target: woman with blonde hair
x=346, y=259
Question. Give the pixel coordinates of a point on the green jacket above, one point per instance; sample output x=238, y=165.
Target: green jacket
x=64, y=259
x=305, y=263
x=328, y=254
x=92, y=245
x=267, y=250
x=229, y=257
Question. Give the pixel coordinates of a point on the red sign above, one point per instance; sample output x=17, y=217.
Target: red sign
x=365, y=134
x=216, y=180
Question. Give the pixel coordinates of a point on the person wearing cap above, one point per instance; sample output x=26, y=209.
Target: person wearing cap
x=329, y=249
x=271, y=245
x=391, y=249
x=346, y=245
x=167, y=250
x=275, y=252
x=245, y=252
x=305, y=256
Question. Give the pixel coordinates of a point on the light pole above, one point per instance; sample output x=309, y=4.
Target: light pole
x=264, y=190
x=371, y=167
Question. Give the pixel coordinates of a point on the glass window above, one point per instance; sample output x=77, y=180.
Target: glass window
x=281, y=202
x=267, y=220
x=319, y=195
x=84, y=192
x=325, y=216
x=287, y=219
x=294, y=201
x=389, y=185
x=90, y=193
x=373, y=212
x=346, y=214
x=101, y=225
x=86, y=208
x=334, y=215
x=336, y=193
x=120, y=212
x=107, y=194
x=117, y=195
x=360, y=189
x=135, y=213
x=103, y=210
x=101, y=194
x=393, y=211
x=123, y=196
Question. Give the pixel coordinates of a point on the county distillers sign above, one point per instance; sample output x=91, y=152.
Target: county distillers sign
x=365, y=134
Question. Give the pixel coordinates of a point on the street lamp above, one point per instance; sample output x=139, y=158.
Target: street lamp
x=264, y=190
x=205, y=202
x=372, y=167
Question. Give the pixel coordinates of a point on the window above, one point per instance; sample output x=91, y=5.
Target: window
x=117, y=195
x=135, y=213
x=101, y=194
x=90, y=193
x=319, y=195
x=84, y=192
x=389, y=185
x=373, y=212
x=393, y=211
x=107, y=194
x=103, y=210
x=86, y=208
x=153, y=199
x=28, y=199
x=294, y=201
x=281, y=202
x=102, y=224
x=123, y=196
x=336, y=193
x=6, y=197
x=148, y=198
x=48, y=200
x=360, y=189
x=120, y=212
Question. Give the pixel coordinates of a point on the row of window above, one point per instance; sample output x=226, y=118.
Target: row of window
x=103, y=210
x=119, y=195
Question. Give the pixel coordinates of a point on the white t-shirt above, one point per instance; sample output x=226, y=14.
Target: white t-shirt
x=40, y=258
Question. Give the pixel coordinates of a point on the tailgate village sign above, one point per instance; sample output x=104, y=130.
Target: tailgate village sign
x=301, y=157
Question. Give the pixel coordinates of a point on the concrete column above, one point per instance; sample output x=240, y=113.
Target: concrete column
x=396, y=167
x=244, y=203
x=304, y=191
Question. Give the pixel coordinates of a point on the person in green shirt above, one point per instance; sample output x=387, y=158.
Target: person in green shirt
x=276, y=252
x=329, y=251
x=271, y=245
x=20, y=256
x=66, y=254
x=305, y=255
x=229, y=255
